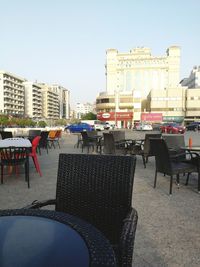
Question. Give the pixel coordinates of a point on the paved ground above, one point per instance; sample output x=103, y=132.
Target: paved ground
x=168, y=232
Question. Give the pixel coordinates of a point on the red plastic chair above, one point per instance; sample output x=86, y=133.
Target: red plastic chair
x=33, y=153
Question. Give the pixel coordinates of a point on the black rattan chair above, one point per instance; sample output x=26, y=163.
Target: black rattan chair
x=164, y=163
x=174, y=143
x=144, y=149
x=87, y=141
x=112, y=147
x=5, y=135
x=98, y=189
x=15, y=156
x=43, y=141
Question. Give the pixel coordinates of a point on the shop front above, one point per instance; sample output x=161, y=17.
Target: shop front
x=152, y=117
x=120, y=119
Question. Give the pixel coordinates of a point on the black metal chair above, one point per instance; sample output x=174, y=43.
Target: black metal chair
x=111, y=147
x=5, y=135
x=144, y=148
x=164, y=163
x=98, y=189
x=15, y=156
x=43, y=143
x=87, y=141
x=174, y=143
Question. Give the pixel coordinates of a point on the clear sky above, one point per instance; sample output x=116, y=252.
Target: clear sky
x=65, y=42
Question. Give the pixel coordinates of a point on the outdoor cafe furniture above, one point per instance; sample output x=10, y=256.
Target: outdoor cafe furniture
x=15, y=152
x=5, y=135
x=46, y=238
x=111, y=147
x=194, y=152
x=165, y=165
x=53, y=138
x=174, y=143
x=142, y=147
x=33, y=153
x=88, y=142
x=43, y=143
x=98, y=189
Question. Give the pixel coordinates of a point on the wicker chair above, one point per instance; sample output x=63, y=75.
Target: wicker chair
x=112, y=147
x=5, y=135
x=174, y=143
x=144, y=149
x=164, y=163
x=15, y=156
x=43, y=141
x=98, y=189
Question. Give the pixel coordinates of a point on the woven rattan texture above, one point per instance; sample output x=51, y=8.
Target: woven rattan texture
x=101, y=253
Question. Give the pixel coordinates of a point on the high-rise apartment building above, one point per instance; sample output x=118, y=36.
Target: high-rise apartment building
x=83, y=108
x=50, y=102
x=33, y=100
x=64, y=100
x=11, y=94
x=140, y=71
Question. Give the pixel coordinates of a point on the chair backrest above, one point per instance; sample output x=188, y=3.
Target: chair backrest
x=175, y=141
x=92, y=133
x=96, y=188
x=161, y=152
x=147, y=146
x=43, y=140
x=35, y=143
x=52, y=134
x=13, y=155
x=118, y=135
x=109, y=143
x=33, y=133
x=58, y=133
x=5, y=135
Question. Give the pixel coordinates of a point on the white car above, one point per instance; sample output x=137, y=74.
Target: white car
x=144, y=127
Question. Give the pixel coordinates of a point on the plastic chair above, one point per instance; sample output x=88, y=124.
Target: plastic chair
x=33, y=153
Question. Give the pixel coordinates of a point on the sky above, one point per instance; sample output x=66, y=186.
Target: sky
x=65, y=42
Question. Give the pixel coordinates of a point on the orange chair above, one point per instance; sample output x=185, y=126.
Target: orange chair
x=33, y=153
x=53, y=138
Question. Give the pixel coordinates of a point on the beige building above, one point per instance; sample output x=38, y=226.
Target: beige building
x=192, y=104
x=33, y=100
x=170, y=102
x=139, y=70
x=11, y=94
x=64, y=100
x=130, y=77
x=50, y=102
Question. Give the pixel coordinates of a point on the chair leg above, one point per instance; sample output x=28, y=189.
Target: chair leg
x=170, y=188
x=37, y=166
x=198, y=182
x=186, y=183
x=2, y=174
x=143, y=158
x=147, y=159
x=27, y=172
x=177, y=179
x=155, y=179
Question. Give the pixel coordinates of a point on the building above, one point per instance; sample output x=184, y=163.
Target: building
x=64, y=100
x=193, y=81
x=170, y=102
x=50, y=102
x=12, y=100
x=33, y=100
x=139, y=70
x=130, y=77
x=83, y=108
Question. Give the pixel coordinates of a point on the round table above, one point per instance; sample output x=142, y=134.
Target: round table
x=45, y=238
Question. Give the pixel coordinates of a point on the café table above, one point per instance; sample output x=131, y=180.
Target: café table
x=194, y=150
x=47, y=238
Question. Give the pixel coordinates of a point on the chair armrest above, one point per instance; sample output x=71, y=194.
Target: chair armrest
x=127, y=238
x=39, y=204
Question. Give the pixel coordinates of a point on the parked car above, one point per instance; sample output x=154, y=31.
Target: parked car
x=172, y=128
x=193, y=126
x=143, y=127
x=78, y=127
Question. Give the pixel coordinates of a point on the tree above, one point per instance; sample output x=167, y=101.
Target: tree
x=42, y=124
x=89, y=116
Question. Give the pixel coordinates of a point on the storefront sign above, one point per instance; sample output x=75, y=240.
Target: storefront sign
x=115, y=116
x=153, y=117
